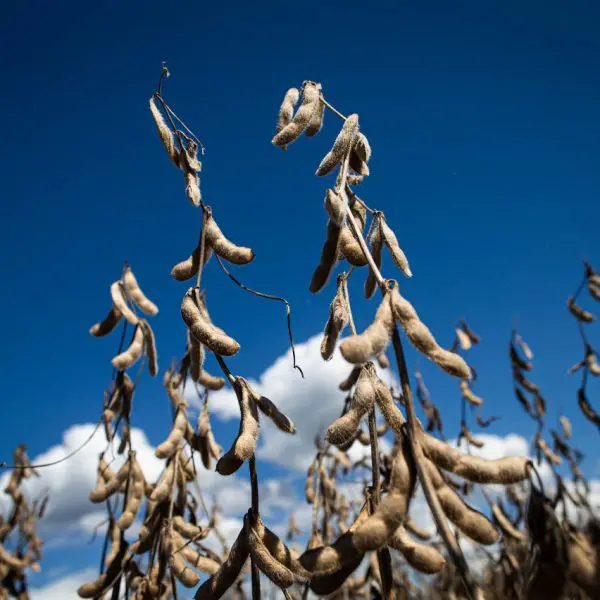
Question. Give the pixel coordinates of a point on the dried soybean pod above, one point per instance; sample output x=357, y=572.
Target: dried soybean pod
x=96, y=589
x=196, y=356
x=238, y=255
x=107, y=324
x=383, y=361
x=566, y=426
x=166, y=136
x=341, y=146
x=335, y=205
x=417, y=531
x=468, y=395
x=108, y=488
x=286, y=110
x=245, y=443
x=523, y=381
x=192, y=187
x=268, y=408
x=362, y=147
x=376, y=248
x=185, y=575
x=189, y=530
x=422, y=338
x=330, y=582
x=374, y=340
x=191, y=556
x=130, y=356
x=339, y=316
x=517, y=360
x=170, y=445
x=186, y=269
x=349, y=382
x=463, y=339
x=392, y=414
x=524, y=401
x=150, y=347
x=211, y=382
x=360, y=167
x=133, y=291
x=470, y=521
x=391, y=241
x=316, y=122
x=311, y=93
x=278, y=573
x=594, y=290
x=134, y=498
x=350, y=249
x=120, y=302
x=424, y=558
x=163, y=488
x=579, y=313
x=586, y=408
x=592, y=363
x=204, y=331
x=328, y=258
x=309, y=483
x=505, y=524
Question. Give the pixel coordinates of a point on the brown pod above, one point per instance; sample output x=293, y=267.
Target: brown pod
x=135, y=495
x=594, y=290
x=238, y=255
x=106, y=488
x=107, y=324
x=517, y=360
x=463, y=339
x=186, y=269
x=278, y=573
x=422, y=338
x=163, y=488
x=166, y=135
x=376, y=253
x=391, y=242
x=374, y=340
x=192, y=187
x=268, y=408
x=341, y=146
x=205, y=332
x=335, y=205
x=350, y=249
x=189, y=530
x=133, y=291
x=120, y=302
x=523, y=381
x=359, y=167
x=507, y=528
x=566, y=426
x=316, y=122
x=592, y=363
x=205, y=564
x=391, y=413
x=211, y=382
x=177, y=433
x=130, y=356
x=244, y=446
x=330, y=582
x=383, y=361
x=328, y=258
x=423, y=558
x=310, y=104
x=579, y=313
x=150, y=347
x=351, y=380
x=286, y=110
x=185, y=575
x=339, y=316
x=196, y=356
x=97, y=588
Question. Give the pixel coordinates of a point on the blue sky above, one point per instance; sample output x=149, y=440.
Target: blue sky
x=484, y=123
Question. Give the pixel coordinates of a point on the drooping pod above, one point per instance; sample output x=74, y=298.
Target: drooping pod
x=309, y=492
x=135, y=491
x=277, y=572
x=186, y=269
x=422, y=557
x=328, y=258
x=586, y=408
x=507, y=528
x=584, y=316
x=523, y=381
x=205, y=564
x=185, y=575
x=165, y=133
x=383, y=361
x=543, y=447
x=341, y=146
x=335, y=205
x=163, y=488
x=362, y=401
x=268, y=408
x=316, y=122
x=209, y=447
x=417, y=531
x=350, y=249
x=286, y=110
x=205, y=332
x=311, y=96
x=351, y=380
x=217, y=585
x=133, y=291
x=105, y=489
x=120, y=302
x=376, y=252
x=244, y=446
x=463, y=339
x=177, y=433
x=109, y=322
x=96, y=589
x=420, y=336
x=130, y=356
x=189, y=530
x=391, y=242
x=470, y=521
x=339, y=316
x=391, y=413
x=150, y=347
x=238, y=255
x=374, y=340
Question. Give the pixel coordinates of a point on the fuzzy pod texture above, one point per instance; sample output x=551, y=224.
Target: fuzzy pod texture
x=463, y=339
x=278, y=573
x=205, y=564
x=339, y=316
x=502, y=471
x=288, y=557
x=309, y=483
x=176, y=435
x=362, y=147
x=316, y=122
x=376, y=253
x=351, y=380
x=269, y=409
x=133, y=353
x=582, y=315
x=343, y=428
x=286, y=110
x=188, y=530
x=134, y=498
x=133, y=291
x=422, y=338
x=523, y=381
x=186, y=269
x=335, y=205
x=96, y=589
x=391, y=413
x=165, y=133
x=383, y=361
x=342, y=145
x=328, y=258
x=150, y=347
x=311, y=97
x=244, y=446
x=350, y=249
x=120, y=302
x=391, y=242
x=470, y=521
x=163, y=488
x=185, y=575
x=192, y=188
x=196, y=355
x=107, y=325
x=238, y=255
x=422, y=557
x=357, y=165
x=330, y=582
x=374, y=340
x=506, y=526
x=205, y=332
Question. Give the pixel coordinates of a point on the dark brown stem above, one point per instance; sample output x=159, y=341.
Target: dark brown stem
x=254, y=513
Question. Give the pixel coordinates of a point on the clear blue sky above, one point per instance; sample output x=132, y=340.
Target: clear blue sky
x=485, y=125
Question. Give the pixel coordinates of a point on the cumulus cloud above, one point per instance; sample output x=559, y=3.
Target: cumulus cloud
x=64, y=588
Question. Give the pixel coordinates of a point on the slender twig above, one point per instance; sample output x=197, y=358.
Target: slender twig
x=334, y=110
x=254, y=513
x=205, y=215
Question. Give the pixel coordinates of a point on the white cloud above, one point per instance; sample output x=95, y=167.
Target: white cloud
x=64, y=588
